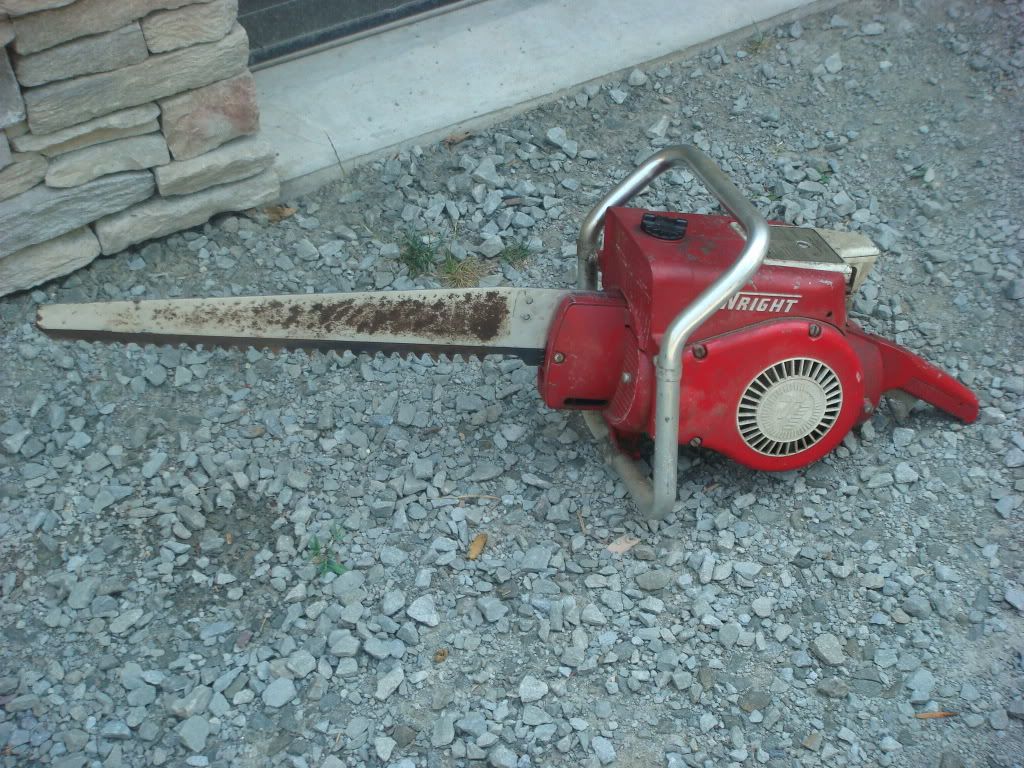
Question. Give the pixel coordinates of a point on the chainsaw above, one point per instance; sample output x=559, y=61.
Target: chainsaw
x=776, y=374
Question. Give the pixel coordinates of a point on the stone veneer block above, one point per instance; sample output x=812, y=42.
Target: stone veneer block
x=98, y=53
x=21, y=7
x=203, y=119
x=233, y=161
x=164, y=215
x=39, y=31
x=59, y=105
x=5, y=150
x=117, y=125
x=6, y=31
x=18, y=129
x=84, y=165
x=42, y=213
x=12, y=108
x=23, y=173
x=199, y=23
x=36, y=264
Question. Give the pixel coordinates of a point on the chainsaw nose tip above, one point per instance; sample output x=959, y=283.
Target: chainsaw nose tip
x=970, y=410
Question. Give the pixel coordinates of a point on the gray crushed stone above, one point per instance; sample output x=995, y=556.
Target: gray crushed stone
x=238, y=558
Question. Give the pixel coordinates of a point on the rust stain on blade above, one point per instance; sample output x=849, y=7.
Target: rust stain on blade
x=478, y=316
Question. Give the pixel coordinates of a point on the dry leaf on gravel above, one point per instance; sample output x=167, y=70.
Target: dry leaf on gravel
x=276, y=213
x=624, y=543
x=476, y=547
x=456, y=138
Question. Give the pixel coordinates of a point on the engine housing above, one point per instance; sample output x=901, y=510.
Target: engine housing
x=774, y=379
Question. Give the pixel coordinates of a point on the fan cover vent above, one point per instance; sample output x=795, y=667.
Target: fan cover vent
x=789, y=407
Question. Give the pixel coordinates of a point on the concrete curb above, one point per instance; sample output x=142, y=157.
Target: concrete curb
x=362, y=103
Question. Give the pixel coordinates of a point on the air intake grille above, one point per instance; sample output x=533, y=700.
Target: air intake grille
x=789, y=407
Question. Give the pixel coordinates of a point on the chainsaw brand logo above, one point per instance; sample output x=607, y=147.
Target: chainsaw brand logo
x=755, y=301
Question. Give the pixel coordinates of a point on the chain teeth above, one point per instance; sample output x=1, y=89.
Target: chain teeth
x=206, y=343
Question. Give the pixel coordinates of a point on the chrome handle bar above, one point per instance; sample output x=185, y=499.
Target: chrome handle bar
x=656, y=497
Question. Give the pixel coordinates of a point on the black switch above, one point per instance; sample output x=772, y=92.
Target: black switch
x=663, y=227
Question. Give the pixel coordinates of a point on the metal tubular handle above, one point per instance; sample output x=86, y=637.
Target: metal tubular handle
x=656, y=498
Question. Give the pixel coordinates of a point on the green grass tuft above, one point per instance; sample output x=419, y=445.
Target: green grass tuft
x=418, y=255
x=515, y=254
x=323, y=556
x=462, y=274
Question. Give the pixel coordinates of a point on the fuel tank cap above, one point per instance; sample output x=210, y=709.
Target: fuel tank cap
x=663, y=227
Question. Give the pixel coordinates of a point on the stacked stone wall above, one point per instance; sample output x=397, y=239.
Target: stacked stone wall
x=120, y=121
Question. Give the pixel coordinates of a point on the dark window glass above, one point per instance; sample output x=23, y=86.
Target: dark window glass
x=280, y=27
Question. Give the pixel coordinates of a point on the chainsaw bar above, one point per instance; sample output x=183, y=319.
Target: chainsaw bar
x=470, y=321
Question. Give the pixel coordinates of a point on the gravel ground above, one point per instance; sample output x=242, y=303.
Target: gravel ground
x=232, y=558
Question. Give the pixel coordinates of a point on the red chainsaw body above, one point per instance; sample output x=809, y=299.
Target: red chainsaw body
x=775, y=379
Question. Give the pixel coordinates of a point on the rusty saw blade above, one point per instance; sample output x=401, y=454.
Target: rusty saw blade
x=470, y=321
